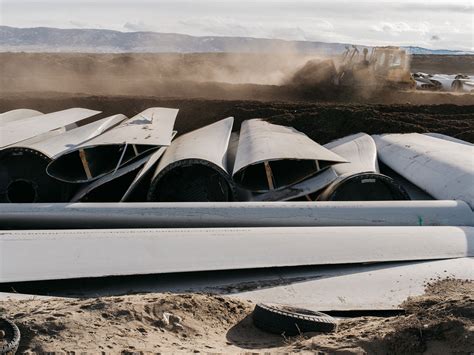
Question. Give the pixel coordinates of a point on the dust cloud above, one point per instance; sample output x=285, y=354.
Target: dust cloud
x=285, y=75
x=151, y=74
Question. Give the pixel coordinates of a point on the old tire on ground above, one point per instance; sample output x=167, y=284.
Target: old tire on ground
x=279, y=319
x=11, y=339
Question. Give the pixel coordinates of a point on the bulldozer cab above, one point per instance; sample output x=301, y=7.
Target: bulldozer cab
x=386, y=58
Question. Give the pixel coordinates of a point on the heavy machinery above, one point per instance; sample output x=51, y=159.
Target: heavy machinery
x=385, y=67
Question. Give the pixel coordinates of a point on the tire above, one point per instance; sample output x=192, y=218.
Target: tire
x=9, y=345
x=279, y=319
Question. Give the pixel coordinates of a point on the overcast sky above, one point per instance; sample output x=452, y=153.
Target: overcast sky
x=431, y=23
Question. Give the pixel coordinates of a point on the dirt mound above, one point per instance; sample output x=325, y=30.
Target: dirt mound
x=159, y=323
x=315, y=74
x=444, y=316
x=441, y=321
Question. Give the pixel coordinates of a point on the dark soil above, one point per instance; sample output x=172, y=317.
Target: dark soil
x=323, y=122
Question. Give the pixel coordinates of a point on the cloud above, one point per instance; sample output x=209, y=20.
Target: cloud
x=304, y=29
x=397, y=28
x=218, y=25
x=137, y=26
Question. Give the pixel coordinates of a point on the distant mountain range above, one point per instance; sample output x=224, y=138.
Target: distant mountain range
x=44, y=39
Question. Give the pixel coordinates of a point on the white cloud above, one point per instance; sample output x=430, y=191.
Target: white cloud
x=397, y=28
x=137, y=26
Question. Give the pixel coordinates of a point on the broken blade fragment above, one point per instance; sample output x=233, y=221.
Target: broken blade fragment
x=144, y=133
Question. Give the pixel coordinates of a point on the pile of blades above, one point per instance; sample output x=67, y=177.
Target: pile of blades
x=347, y=213
x=75, y=155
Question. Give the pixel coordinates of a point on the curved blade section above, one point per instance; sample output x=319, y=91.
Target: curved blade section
x=359, y=150
x=194, y=167
x=17, y=115
x=17, y=131
x=442, y=168
x=117, y=147
x=271, y=156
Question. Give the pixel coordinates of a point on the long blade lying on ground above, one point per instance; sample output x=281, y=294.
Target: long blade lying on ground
x=234, y=214
x=442, y=168
x=101, y=252
x=386, y=285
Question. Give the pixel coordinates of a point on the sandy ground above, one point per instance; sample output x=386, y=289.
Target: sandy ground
x=439, y=322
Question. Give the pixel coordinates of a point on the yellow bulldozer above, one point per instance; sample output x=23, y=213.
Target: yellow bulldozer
x=383, y=68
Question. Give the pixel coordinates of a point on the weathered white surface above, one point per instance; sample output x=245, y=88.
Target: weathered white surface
x=234, y=214
x=208, y=143
x=324, y=288
x=359, y=150
x=262, y=141
x=361, y=287
x=16, y=115
x=154, y=126
x=442, y=168
x=413, y=191
x=448, y=138
x=64, y=254
x=59, y=143
x=17, y=131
